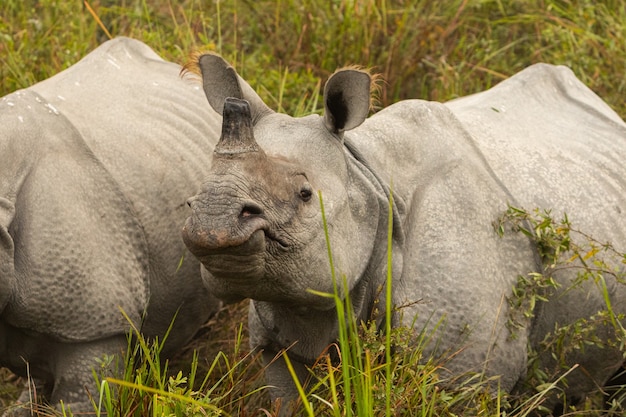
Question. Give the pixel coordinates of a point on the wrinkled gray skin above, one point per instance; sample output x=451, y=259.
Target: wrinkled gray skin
x=539, y=139
x=97, y=163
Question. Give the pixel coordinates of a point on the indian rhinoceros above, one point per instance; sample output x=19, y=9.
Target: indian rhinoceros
x=97, y=163
x=540, y=139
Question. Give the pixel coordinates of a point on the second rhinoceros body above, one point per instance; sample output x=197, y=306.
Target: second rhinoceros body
x=96, y=165
x=540, y=139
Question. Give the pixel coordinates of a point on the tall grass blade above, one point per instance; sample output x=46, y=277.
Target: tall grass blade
x=344, y=345
x=305, y=402
x=164, y=393
x=97, y=19
x=388, y=306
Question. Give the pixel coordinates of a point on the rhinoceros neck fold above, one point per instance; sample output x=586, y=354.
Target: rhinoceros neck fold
x=398, y=205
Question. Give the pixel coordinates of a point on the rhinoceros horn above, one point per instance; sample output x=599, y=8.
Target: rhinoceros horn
x=237, y=135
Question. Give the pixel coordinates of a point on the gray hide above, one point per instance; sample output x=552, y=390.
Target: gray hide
x=538, y=140
x=97, y=163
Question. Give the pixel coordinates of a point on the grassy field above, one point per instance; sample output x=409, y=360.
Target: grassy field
x=435, y=50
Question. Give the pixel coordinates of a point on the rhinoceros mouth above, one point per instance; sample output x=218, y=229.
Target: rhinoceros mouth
x=274, y=238
x=237, y=263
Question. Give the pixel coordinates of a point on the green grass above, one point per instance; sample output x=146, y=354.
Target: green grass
x=208, y=386
x=435, y=50
x=424, y=49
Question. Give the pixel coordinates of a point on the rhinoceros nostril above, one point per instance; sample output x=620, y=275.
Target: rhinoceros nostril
x=250, y=210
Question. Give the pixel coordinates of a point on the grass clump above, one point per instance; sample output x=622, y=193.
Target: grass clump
x=199, y=384
x=355, y=378
x=223, y=383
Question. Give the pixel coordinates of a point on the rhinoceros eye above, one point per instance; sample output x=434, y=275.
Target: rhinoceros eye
x=306, y=193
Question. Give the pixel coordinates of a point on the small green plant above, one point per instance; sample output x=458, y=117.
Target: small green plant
x=564, y=251
x=561, y=247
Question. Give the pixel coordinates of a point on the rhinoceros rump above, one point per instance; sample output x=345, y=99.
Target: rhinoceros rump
x=97, y=163
x=540, y=139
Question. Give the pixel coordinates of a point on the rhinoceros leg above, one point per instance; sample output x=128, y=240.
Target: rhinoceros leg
x=23, y=406
x=58, y=371
x=283, y=386
x=614, y=388
x=72, y=384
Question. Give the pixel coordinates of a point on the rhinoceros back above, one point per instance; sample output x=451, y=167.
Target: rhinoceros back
x=553, y=144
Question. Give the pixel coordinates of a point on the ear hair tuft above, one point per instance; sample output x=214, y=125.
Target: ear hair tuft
x=376, y=83
x=191, y=68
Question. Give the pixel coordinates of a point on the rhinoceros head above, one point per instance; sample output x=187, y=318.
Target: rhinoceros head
x=256, y=225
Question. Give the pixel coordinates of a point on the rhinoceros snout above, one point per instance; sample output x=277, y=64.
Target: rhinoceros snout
x=222, y=226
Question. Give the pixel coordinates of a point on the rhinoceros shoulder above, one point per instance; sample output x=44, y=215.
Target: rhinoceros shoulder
x=123, y=96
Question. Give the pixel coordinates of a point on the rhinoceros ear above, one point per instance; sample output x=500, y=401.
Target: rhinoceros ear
x=346, y=99
x=220, y=80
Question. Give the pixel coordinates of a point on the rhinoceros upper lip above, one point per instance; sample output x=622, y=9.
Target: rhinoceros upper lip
x=202, y=240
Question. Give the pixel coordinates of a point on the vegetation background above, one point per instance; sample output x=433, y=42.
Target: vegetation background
x=426, y=49
x=435, y=50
